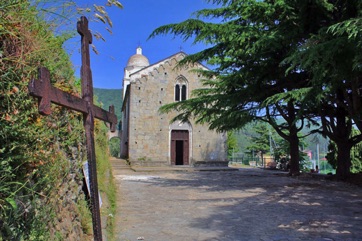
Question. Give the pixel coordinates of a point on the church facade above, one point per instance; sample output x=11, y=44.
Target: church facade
x=147, y=137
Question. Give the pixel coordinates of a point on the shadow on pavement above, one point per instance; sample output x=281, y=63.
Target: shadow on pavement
x=246, y=205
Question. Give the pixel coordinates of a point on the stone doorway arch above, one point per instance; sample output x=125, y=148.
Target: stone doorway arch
x=180, y=144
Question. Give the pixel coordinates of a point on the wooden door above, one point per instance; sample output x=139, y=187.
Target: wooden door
x=180, y=147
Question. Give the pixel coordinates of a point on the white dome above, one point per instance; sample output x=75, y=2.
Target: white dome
x=138, y=60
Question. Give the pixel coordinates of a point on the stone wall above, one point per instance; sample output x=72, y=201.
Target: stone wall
x=68, y=222
x=69, y=201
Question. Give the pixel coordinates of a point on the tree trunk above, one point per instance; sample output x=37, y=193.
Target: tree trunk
x=294, y=155
x=343, y=160
x=293, y=140
x=342, y=140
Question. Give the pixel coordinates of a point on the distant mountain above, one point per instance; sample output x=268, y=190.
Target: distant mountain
x=107, y=97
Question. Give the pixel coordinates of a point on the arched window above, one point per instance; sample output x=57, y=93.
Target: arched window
x=177, y=92
x=183, y=92
x=181, y=89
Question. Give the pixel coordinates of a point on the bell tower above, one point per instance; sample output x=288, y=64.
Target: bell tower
x=135, y=62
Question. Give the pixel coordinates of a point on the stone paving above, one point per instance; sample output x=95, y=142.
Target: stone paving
x=246, y=204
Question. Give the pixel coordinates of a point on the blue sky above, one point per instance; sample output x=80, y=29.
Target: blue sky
x=132, y=25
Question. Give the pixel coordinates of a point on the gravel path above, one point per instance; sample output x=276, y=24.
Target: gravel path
x=248, y=204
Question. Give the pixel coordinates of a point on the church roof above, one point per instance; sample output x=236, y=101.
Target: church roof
x=138, y=60
x=181, y=53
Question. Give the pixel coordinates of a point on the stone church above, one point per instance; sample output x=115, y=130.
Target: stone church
x=148, y=138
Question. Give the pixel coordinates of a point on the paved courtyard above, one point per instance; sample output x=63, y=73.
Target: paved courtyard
x=246, y=204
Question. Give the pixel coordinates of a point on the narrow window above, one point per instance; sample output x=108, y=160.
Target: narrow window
x=177, y=93
x=183, y=92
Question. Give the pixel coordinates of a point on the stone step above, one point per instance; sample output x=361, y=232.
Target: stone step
x=119, y=164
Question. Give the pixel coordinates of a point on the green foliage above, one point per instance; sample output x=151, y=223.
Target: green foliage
x=326, y=168
x=281, y=149
x=260, y=142
x=37, y=154
x=332, y=57
x=105, y=177
x=31, y=146
x=272, y=59
x=85, y=214
x=108, y=97
x=114, y=147
x=349, y=26
x=232, y=144
x=248, y=49
x=243, y=137
x=356, y=155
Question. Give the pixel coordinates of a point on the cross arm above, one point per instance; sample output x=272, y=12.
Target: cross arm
x=106, y=116
x=46, y=93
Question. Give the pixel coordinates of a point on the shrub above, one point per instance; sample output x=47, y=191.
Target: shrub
x=35, y=151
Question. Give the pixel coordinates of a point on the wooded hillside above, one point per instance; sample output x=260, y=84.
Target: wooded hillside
x=109, y=97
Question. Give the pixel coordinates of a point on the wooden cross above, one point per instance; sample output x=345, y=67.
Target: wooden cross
x=46, y=94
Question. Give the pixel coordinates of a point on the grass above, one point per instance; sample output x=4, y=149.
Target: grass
x=106, y=182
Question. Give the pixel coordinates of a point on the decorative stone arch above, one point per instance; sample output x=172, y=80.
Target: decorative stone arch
x=180, y=144
x=181, y=88
x=116, y=133
x=111, y=135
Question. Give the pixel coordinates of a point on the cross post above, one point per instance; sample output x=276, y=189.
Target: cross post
x=48, y=94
